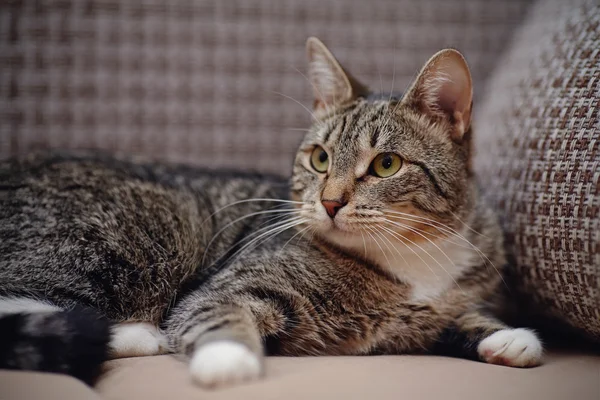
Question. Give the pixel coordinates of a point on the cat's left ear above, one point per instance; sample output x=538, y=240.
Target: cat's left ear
x=444, y=90
x=331, y=84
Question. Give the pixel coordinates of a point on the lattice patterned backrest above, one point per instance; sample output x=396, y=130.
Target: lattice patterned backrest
x=194, y=81
x=538, y=141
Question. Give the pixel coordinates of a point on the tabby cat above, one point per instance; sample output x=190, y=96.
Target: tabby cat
x=379, y=244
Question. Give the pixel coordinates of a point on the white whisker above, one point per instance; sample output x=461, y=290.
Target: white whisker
x=312, y=235
x=251, y=200
x=290, y=239
x=393, y=247
x=432, y=257
x=445, y=237
x=393, y=79
x=398, y=235
x=240, y=219
x=382, y=126
x=269, y=234
x=302, y=105
x=312, y=230
x=364, y=243
x=433, y=223
x=277, y=218
x=318, y=92
x=468, y=227
x=444, y=228
x=404, y=226
x=378, y=245
x=298, y=129
x=252, y=235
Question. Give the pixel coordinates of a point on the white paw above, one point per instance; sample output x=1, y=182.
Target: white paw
x=224, y=363
x=511, y=347
x=137, y=339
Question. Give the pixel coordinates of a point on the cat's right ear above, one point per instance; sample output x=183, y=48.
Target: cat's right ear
x=331, y=85
x=444, y=90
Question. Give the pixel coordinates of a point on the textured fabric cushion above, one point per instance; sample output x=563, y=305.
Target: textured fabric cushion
x=194, y=81
x=538, y=143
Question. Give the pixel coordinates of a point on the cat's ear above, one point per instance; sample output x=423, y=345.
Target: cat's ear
x=331, y=84
x=444, y=90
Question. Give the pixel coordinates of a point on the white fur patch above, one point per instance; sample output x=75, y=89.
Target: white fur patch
x=511, y=347
x=137, y=339
x=16, y=305
x=223, y=363
x=430, y=269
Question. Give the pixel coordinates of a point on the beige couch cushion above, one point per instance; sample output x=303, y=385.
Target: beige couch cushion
x=563, y=376
x=538, y=150
x=17, y=385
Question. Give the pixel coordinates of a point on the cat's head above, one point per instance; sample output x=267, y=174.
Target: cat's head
x=384, y=165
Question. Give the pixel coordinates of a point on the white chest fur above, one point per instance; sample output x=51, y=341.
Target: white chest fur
x=429, y=268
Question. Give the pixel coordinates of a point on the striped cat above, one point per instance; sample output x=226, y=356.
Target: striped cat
x=378, y=244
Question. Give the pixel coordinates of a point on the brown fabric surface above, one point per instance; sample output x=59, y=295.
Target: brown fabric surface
x=194, y=81
x=563, y=376
x=17, y=385
x=538, y=143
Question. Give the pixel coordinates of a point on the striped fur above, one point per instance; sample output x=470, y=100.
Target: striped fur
x=73, y=342
x=230, y=266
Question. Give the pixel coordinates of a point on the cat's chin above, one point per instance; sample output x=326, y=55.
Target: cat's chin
x=336, y=227
x=344, y=228
x=340, y=234
x=351, y=242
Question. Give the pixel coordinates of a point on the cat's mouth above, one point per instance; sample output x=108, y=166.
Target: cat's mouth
x=337, y=225
x=340, y=223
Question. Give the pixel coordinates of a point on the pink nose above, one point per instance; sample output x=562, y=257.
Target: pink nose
x=332, y=206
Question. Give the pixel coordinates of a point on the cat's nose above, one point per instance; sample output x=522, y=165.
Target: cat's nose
x=332, y=206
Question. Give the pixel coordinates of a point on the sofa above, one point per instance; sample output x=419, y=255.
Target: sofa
x=221, y=84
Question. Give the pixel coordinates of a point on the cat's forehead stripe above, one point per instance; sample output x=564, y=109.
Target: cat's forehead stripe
x=339, y=128
x=361, y=125
x=365, y=124
x=326, y=132
x=374, y=136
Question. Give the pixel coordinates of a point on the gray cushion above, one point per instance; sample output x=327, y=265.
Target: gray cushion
x=538, y=152
x=194, y=81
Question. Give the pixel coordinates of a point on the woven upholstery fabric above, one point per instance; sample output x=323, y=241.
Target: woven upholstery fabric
x=538, y=142
x=195, y=81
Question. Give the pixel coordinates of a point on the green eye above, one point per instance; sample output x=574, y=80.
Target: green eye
x=319, y=159
x=385, y=165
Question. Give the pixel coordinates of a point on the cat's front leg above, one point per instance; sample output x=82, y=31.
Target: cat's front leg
x=479, y=336
x=222, y=341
